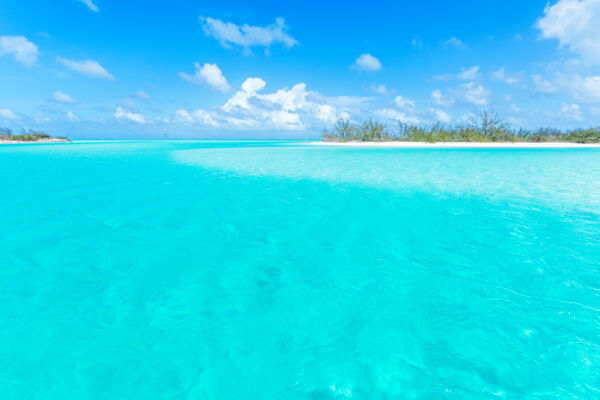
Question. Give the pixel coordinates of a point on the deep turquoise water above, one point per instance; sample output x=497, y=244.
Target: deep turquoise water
x=274, y=270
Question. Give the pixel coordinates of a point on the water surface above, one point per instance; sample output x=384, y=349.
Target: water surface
x=278, y=270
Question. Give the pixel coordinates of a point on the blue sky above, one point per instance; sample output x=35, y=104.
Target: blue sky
x=182, y=69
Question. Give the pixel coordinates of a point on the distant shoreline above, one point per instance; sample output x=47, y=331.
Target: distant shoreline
x=508, y=145
x=51, y=140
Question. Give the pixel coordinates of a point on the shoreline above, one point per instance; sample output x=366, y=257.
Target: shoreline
x=52, y=140
x=483, y=145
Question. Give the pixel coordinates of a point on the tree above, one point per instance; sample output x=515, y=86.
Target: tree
x=490, y=125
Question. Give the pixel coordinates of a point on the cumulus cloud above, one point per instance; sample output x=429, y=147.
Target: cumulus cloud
x=574, y=24
x=465, y=74
x=475, y=93
x=199, y=116
x=454, y=42
x=209, y=74
x=247, y=36
x=391, y=115
x=366, y=62
x=89, y=68
x=381, y=89
x=72, y=117
x=5, y=113
x=22, y=50
x=585, y=88
x=571, y=111
x=279, y=109
x=294, y=108
x=403, y=102
x=125, y=115
x=184, y=116
x=140, y=94
x=441, y=116
x=543, y=85
x=440, y=99
x=469, y=74
x=90, y=4
x=502, y=75
x=63, y=98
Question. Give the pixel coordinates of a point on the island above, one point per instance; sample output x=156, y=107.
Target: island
x=28, y=136
x=486, y=130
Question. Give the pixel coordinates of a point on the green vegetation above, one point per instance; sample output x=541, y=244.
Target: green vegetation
x=487, y=127
x=25, y=136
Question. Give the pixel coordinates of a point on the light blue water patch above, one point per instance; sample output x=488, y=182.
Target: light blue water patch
x=528, y=174
x=276, y=270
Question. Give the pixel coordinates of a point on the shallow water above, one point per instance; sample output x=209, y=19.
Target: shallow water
x=277, y=270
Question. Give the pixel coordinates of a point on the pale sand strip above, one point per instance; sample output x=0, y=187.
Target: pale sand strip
x=520, y=145
x=52, y=140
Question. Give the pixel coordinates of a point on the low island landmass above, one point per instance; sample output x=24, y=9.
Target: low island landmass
x=28, y=136
x=487, y=130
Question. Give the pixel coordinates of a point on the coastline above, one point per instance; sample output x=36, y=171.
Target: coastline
x=483, y=145
x=52, y=140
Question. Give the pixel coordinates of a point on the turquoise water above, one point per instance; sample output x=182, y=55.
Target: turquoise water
x=277, y=270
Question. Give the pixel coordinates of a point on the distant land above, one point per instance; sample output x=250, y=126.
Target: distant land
x=29, y=136
x=487, y=127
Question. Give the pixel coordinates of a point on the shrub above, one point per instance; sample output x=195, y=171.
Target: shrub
x=486, y=127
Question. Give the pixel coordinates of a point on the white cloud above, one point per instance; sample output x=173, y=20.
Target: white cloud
x=571, y=111
x=5, y=113
x=228, y=33
x=501, y=75
x=199, y=116
x=440, y=99
x=469, y=74
x=209, y=74
x=293, y=108
x=367, y=62
x=278, y=109
x=72, y=117
x=417, y=42
x=454, y=42
x=90, y=4
x=89, y=68
x=583, y=88
x=465, y=74
x=381, y=89
x=121, y=114
x=140, y=94
x=542, y=85
x=252, y=85
x=575, y=24
x=204, y=117
x=326, y=112
x=403, y=102
x=23, y=50
x=64, y=98
x=240, y=98
x=184, y=116
x=475, y=93
x=586, y=88
x=441, y=116
x=389, y=114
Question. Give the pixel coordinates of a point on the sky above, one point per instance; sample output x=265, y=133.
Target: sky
x=107, y=69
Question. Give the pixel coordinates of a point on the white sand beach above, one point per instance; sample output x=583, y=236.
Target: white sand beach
x=516, y=145
x=51, y=140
